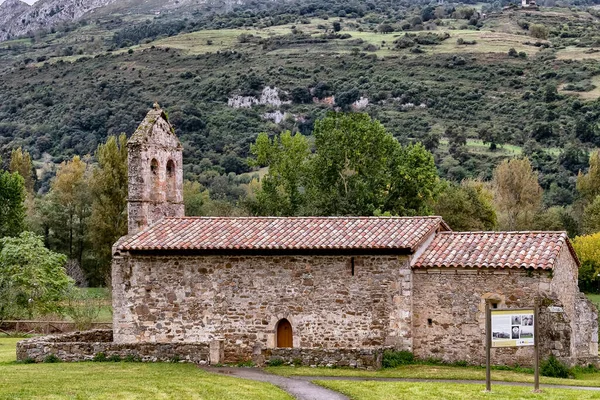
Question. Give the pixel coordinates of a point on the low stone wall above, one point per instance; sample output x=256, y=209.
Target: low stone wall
x=353, y=358
x=83, y=346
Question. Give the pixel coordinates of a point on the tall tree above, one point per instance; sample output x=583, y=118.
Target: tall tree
x=20, y=162
x=69, y=208
x=286, y=156
x=12, y=204
x=359, y=168
x=588, y=185
x=467, y=207
x=109, y=206
x=517, y=193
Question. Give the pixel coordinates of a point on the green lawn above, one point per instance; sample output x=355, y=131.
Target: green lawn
x=417, y=391
x=117, y=381
x=418, y=371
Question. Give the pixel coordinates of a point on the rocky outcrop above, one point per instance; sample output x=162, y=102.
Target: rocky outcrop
x=18, y=18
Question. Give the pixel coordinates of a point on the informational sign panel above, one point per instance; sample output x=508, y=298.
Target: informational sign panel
x=512, y=328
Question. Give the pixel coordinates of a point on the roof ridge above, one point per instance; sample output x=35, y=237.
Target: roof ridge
x=504, y=232
x=313, y=217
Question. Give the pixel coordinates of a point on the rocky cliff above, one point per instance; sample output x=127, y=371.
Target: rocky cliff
x=18, y=18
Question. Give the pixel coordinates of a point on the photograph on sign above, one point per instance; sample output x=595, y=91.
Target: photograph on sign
x=512, y=328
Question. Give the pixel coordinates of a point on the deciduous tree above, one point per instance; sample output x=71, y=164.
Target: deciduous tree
x=12, y=204
x=517, y=193
x=358, y=168
x=286, y=156
x=109, y=206
x=467, y=207
x=20, y=162
x=32, y=278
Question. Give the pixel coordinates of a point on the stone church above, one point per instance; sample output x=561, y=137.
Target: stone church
x=328, y=290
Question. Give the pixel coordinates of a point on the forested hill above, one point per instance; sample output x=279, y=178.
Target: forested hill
x=474, y=83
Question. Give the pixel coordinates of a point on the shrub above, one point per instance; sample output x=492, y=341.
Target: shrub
x=554, y=368
x=393, y=359
x=538, y=31
x=512, y=52
x=132, y=358
x=51, y=359
x=175, y=359
x=297, y=362
x=275, y=362
x=83, y=308
x=247, y=363
x=114, y=358
x=100, y=357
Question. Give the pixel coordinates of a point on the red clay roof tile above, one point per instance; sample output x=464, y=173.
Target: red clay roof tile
x=302, y=233
x=494, y=249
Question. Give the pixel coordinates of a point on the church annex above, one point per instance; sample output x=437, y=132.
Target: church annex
x=294, y=287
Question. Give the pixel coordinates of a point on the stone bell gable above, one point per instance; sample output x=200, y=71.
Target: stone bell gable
x=155, y=166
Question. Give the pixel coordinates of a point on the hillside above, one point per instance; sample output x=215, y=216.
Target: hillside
x=473, y=88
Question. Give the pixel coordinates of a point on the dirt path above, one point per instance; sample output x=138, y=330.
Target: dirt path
x=301, y=389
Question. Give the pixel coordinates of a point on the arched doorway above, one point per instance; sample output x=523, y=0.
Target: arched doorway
x=284, y=334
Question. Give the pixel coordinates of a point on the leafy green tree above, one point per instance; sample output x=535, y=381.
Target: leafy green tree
x=488, y=134
x=12, y=204
x=32, y=278
x=286, y=156
x=68, y=209
x=538, y=31
x=588, y=185
x=20, y=162
x=517, y=194
x=590, y=219
x=337, y=26
x=109, y=206
x=301, y=95
x=588, y=252
x=467, y=207
x=344, y=100
x=358, y=168
x=195, y=199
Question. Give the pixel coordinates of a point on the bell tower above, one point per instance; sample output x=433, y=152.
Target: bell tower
x=155, y=169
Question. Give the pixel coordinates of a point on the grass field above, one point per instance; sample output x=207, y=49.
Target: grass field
x=487, y=41
x=433, y=372
x=591, y=95
x=577, y=53
x=118, y=381
x=418, y=391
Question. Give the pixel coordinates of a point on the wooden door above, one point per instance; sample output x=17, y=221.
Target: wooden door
x=284, y=334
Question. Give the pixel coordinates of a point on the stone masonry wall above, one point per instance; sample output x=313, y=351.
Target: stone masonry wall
x=352, y=358
x=449, y=313
x=583, y=314
x=241, y=299
x=83, y=346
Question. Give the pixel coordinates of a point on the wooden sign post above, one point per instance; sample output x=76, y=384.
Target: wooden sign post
x=511, y=328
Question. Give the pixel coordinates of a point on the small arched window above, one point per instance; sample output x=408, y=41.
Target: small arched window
x=171, y=181
x=154, y=167
x=170, y=169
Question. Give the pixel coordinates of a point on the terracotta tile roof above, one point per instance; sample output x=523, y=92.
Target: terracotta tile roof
x=494, y=249
x=202, y=233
